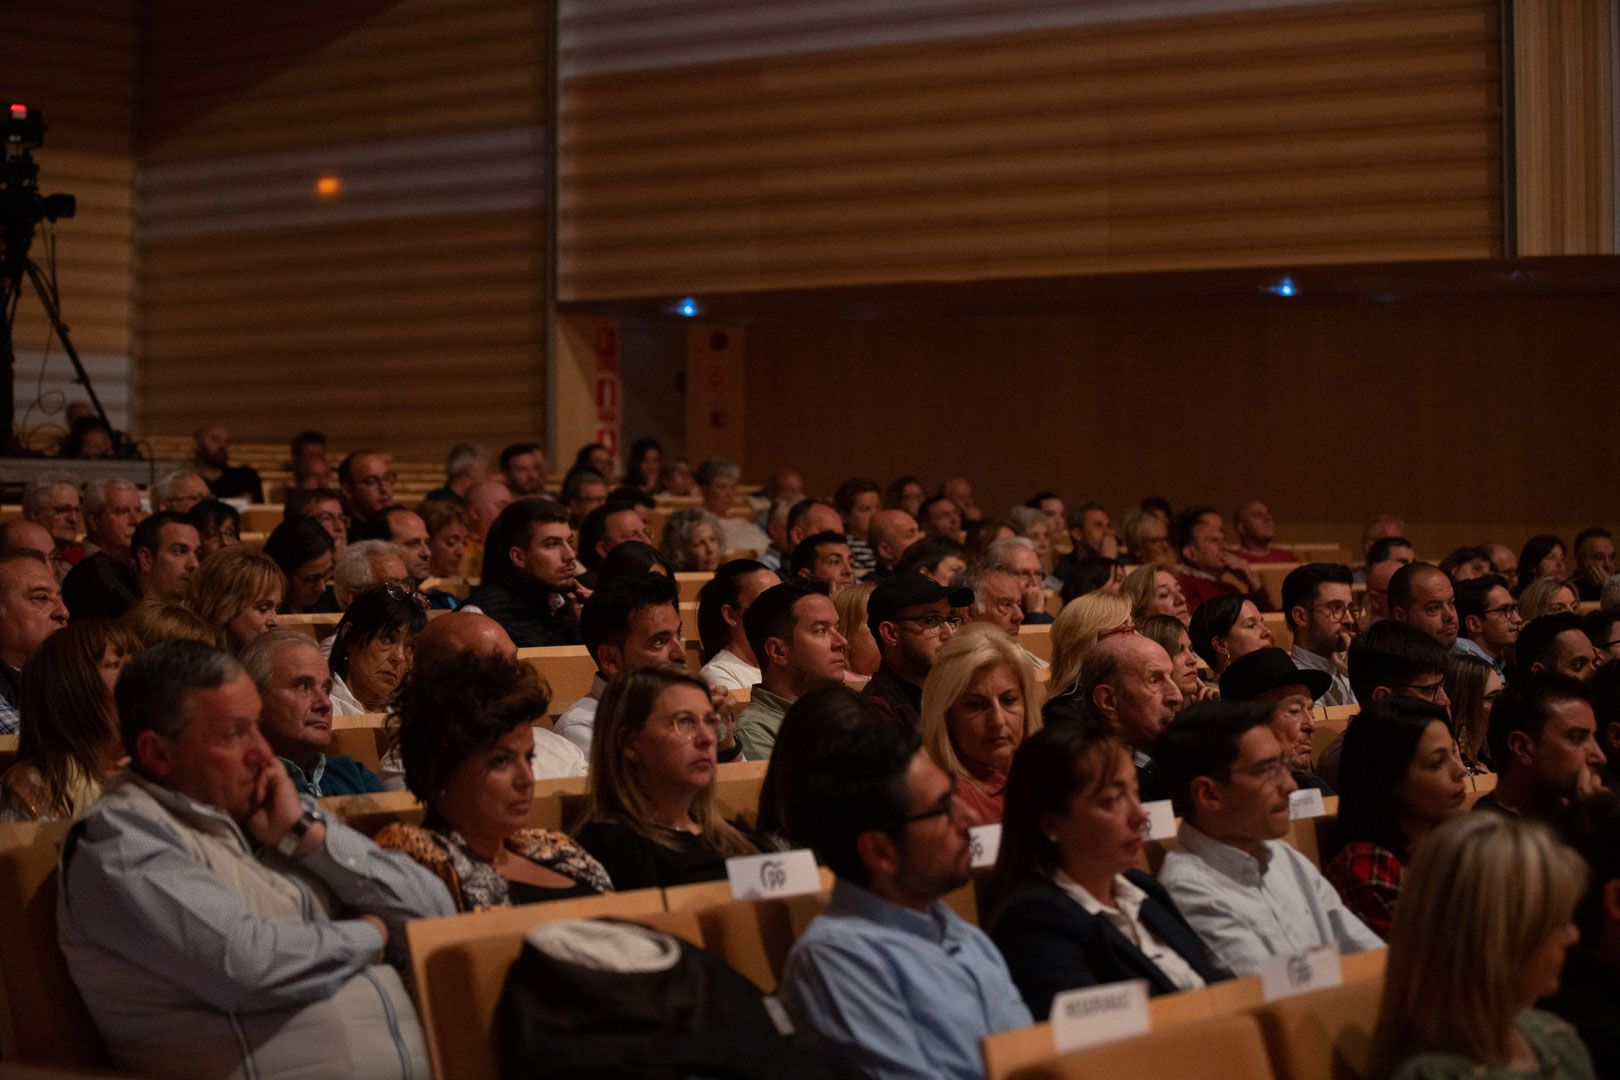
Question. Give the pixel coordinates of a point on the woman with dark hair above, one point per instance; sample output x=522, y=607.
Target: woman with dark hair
x=373, y=647
x=1399, y=777
x=464, y=731
x=727, y=659
x=69, y=741
x=100, y=587
x=632, y=557
x=1541, y=556
x=938, y=558
x=1069, y=907
x=1093, y=573
x=1225, y=628
x=646, y=462
x=651, y=818
x=905, y=493
x=303, y=549
x=218, y=526
x=1473, y=686
x=1170, y=634
x=804, y=731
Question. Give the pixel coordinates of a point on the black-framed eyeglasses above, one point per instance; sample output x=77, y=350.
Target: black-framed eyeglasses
x=1338, y=609
x=943, y=808
x=931, y=622
x=1507, y=611
x=1426, y=691
x=1270, y=770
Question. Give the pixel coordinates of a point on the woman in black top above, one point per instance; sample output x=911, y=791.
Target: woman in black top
x=651, y=819
x=1070, y=907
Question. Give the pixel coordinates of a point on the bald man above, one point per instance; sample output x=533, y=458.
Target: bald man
x=468, y=631
x=485, y=501
x=890, y=534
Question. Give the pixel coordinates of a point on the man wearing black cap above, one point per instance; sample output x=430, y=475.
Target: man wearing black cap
x=911, y=618
x=1269, y=675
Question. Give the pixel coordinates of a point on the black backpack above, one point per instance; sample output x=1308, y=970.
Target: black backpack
x=588, y=1000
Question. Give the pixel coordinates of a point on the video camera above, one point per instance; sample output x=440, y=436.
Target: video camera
x=21, y=205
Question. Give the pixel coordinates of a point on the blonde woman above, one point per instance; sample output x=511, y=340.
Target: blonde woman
x=1153, y=590
x=238, y=591
x=1548, y=596
x=1076, y=629
x=864, y=658
x=1473, y=687
x=1479, y=937
x=651, y=819
x=1147, y=537
x=980, y=702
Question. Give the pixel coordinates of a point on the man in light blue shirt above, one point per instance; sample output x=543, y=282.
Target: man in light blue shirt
x=1322, y=621
x=1249, y=895
x=888, y=971
x=1488, y=621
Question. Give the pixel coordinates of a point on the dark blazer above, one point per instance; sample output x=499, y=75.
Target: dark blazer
x=1052, y=944
x=524, y=611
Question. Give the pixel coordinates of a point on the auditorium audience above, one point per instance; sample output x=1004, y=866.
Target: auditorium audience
x=465, y=730
x=959, y=490
x=633, y=557
x=465, y=465
x=887, y=971
x=372, y=649
x=112, y=507
x=1465, y=564
x=1249, y=895
x=1255, y=531
x=306, y=461
x=937, y=557
x=178, y=491
x=1390, y=660
x=998, y=598
x=1594, y=561
x=1032, y=525
x=1168, y=633
x=366, y=563
x=1126, y=680
x=165, y=547
x=1226, y=628
x=645, y=464
x=446, y=524
x=857, y=500
x=295, y=689
x=213, y=460
x=979, y=704
x=1599, y=627
x=728, y=659
x=905, y=493
x=1017, y=554
x=1545, y=746
x=1542, y=556
x=20, y=533
x=1472, y=686
x=1483, y=926
x=367, y=484
x=1067, y=903
x=1402, y=777
x=1488, y=621
x=863, y=655
x=631, y=621
x=523, y=468
x=218, y=525
x=303, y=551
x=891, y=533
x=1091, y=536
x=1147, y=538
x=911, y=619
x=824, y=556
x=68, y=744
x=1377, y=580
x=1588, y=994
x=1268, y=675
x=152, y=621
x=1504, y=563
x=1554, y=643
x=1208, y=569
x=52, y=502
x=1154, y=590
x=939, y=517
x=197, y=952
x=651, y=819
x=100, y=586
x=717, y=480
x=88, y=438
x=1092, y=574
x=324, y=506
x=1548, y=595
x=529, y=578
x=31, y=610
x=1078, y=626
x=793, y=630
x=485, y=501
x=692, y=540
x=1322, y=618
x=238, y=592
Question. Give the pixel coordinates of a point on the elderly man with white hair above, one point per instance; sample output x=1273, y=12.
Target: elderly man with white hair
x=1017, y=554
x=998, y=599
x=1032, y=524
x=365, y=563
x=179, y=490
x=52, y=502
x=112, y=509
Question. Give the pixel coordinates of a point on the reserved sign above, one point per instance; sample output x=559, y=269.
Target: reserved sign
x=1099, y=1014
x=776, y=873
x=984, y=843
x=1161, y=819
x=1306, y=803
x=1286, y=976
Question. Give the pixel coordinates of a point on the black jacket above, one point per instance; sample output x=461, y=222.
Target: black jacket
x=524, y=610
x=1052, y=944
x=1590, y=1000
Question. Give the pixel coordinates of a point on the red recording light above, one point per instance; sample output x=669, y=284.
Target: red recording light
x=18, y=110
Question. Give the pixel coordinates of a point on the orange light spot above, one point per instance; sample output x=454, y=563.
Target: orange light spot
x=328, y=187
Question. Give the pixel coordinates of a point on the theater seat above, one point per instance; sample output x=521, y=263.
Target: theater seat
x=1228, y=1048
x=43, y=1018
x=754, y=936
x=1322, y=1036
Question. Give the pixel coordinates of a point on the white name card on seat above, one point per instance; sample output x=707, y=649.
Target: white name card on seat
x=1286, y=976
x=984, y=844
x=1161, y=822
x=776, y=873
x=1098, y=1014
x=1306, y=803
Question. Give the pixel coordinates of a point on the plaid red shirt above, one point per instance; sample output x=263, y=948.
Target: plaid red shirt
x=1368, y=878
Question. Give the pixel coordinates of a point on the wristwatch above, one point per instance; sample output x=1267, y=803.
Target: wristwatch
x=288, y=844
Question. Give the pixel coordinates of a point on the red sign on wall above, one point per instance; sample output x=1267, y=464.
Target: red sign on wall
x=607, y=388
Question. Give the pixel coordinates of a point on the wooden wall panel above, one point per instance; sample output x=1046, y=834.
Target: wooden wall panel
x=1462, y=414
x=407, y=311
x=77, y=63
x=1564, y=117
x=1324, y=133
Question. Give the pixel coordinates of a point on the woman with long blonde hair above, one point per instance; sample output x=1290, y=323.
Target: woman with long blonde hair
x=1548, y=595
x=980, y=702
x=651, y=819
x=1480, y=934
x=1076, y=629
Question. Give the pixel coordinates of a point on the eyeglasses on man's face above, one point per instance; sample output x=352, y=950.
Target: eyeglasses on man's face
x=378, y=480
x=1338, y=609
x=931, y=622
x=1506, y=611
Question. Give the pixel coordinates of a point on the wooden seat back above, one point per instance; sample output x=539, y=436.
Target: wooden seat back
x=1322, y=1036
x=753, y=936
x=8, y=751
x=567, y=669
x=1225, y=1048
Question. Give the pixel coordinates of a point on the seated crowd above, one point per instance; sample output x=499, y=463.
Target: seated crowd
x=218, y=920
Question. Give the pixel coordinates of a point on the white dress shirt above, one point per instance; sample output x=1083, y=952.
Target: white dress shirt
x=1126, y=917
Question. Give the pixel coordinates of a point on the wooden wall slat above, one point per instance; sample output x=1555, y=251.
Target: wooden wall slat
x=1332, y=132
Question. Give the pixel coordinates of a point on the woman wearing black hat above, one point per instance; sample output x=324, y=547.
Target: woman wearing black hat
x=1269, y=675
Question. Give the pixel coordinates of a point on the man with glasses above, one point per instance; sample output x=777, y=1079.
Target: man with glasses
x=1322, y=619
x=888, y=972
x=1390, y=660
x=1488, y=621
x=1250, y=896
x=1544, y=743
x=1594, y=561
x=1017, y=554
x=324, y=507
x=367, y=484
x=52, y=502
x=792, y=629
x=1422, y=597
x=911, y=618
x=1601, y=630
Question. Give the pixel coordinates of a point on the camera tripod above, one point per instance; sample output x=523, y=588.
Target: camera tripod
x=11, y=275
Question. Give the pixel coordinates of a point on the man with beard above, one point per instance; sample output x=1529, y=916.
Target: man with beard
x=225, y=481
x=1322, y=619
x=911, y=619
